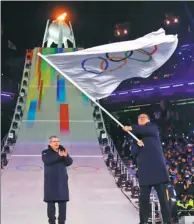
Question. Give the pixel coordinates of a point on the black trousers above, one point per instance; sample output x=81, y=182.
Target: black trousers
x=51, y=212
x=144, y=202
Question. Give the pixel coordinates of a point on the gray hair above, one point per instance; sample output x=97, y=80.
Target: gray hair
x=51, y=137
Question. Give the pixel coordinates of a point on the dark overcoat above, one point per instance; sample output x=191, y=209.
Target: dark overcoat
x=151, y=163
x=55, y=175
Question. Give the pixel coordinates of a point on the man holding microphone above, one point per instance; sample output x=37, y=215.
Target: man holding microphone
x=152, y=171
x=56, y=159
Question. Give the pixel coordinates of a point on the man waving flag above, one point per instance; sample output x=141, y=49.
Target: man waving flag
x=98, y=71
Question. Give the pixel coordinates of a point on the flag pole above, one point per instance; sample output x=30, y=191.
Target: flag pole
x=83, y=91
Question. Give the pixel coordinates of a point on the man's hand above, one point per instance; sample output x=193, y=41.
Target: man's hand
x=140, y=143
x=127, y=128
x=63, y=153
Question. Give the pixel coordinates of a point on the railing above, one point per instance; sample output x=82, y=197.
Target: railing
x=5, y=140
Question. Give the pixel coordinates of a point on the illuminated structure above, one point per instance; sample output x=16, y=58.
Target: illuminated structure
x=59, y=32
x=122, y=30
x=171, y=20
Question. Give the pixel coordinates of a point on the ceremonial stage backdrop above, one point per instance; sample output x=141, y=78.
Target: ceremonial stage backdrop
x=42, y=77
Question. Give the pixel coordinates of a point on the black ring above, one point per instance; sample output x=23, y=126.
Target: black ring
x=107, y=56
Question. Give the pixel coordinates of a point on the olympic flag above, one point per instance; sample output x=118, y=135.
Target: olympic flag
x=98, y=71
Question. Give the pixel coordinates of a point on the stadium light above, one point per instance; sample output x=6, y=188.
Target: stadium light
x=176, y=20
x=171, y=20
x=118, y=33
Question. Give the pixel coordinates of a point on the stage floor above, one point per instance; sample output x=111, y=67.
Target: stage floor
x=94, y=196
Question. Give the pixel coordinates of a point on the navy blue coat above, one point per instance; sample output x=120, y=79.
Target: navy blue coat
x=150, y=158
x=55, y=175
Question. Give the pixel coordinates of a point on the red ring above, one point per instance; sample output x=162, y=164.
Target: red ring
x=149, y=53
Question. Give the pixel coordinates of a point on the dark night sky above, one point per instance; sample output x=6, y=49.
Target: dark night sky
x=24, y=22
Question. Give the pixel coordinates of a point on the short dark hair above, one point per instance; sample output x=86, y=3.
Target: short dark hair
x=145, y=114
x=51, y=137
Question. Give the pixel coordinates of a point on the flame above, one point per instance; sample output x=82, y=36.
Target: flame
x=62, y=17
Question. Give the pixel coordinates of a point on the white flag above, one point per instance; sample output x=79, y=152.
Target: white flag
x=99, y=70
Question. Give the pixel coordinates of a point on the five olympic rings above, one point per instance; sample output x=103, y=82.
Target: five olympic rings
x=104, y=65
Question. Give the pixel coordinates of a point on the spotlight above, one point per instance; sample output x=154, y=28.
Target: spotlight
x=25, y=83
x=109, y=159
x=4, y=160
x=17, y=117
x=167, y=22
x=21, y=99
x=102, y=132
x=118, y=171
x=26, y=74
x=122, y=180
x=28, y=65
x=104, y=141
x=114, y=165
x=135, y=188
x=9, y=141
x=119, y=182
x=118, y=33
x=176, y=20
x=13, y=131
x=100, y=125
x=15, y=125
x=6, y=149
x=98, y=117
x=19, y=108
x=135, y=192
x=96, y=109
x=102, y=135
x=128, y=185
x=11, y=137
x=23, y=92
x=107, y=149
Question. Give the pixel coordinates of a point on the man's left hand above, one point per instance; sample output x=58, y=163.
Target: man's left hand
x=140, y=143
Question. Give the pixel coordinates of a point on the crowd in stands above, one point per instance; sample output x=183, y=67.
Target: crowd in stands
x=178, y=146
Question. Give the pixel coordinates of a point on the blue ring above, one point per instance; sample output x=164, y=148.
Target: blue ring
x=96, y=73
